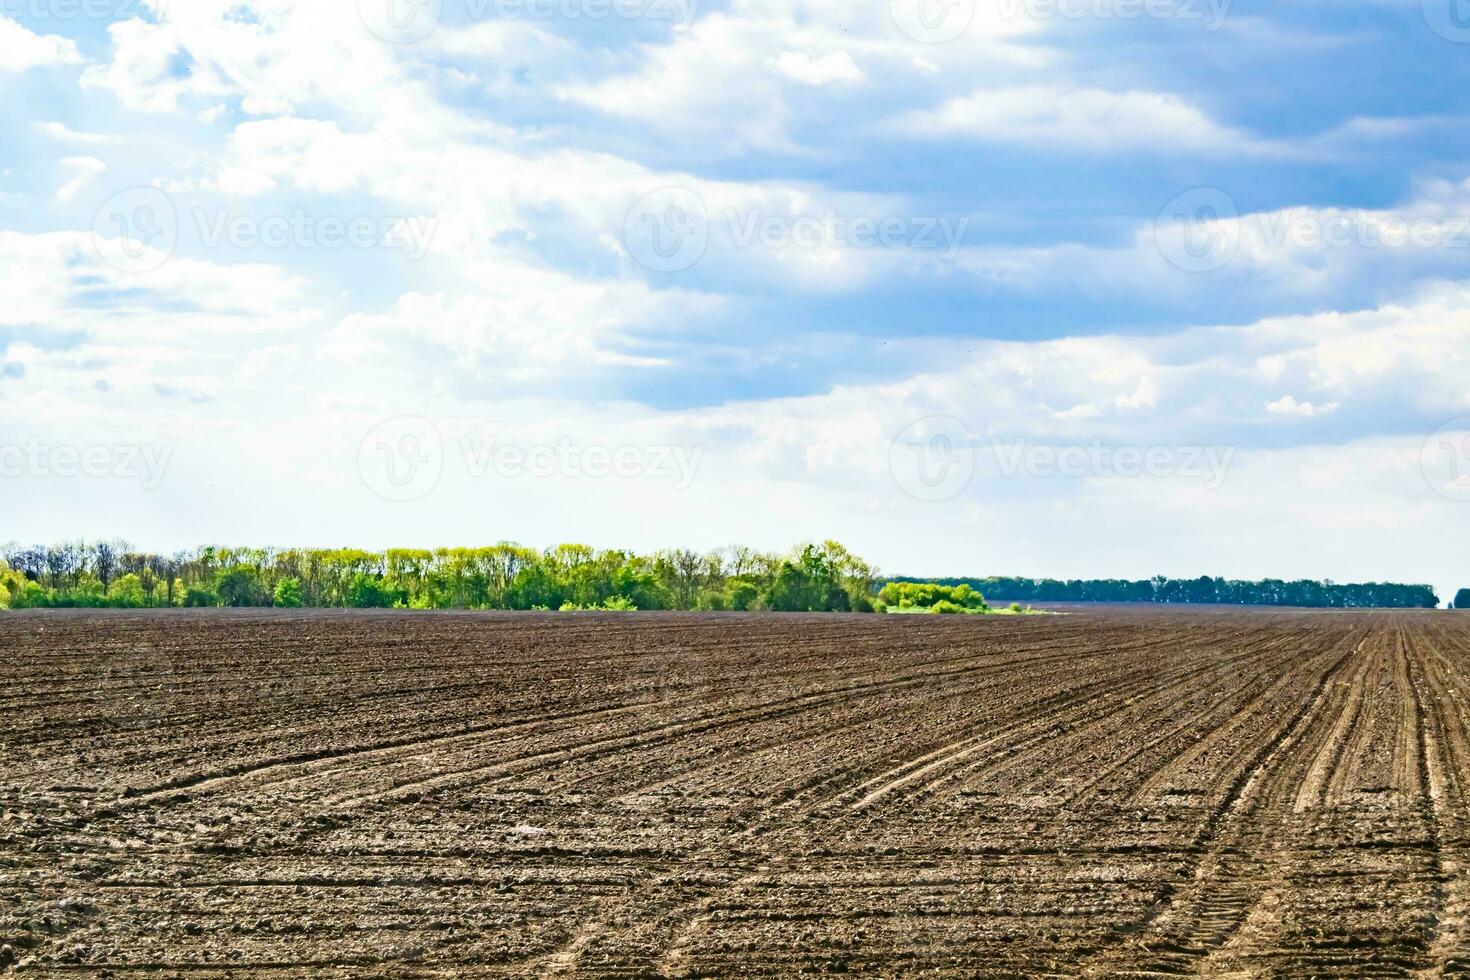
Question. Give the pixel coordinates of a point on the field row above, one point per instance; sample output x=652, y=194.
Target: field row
x=1137, y=791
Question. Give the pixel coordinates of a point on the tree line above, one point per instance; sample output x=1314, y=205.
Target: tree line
x=1205, y=589
x=822, y=577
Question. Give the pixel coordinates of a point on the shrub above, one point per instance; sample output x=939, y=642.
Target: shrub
x=946, y=608
x=741, y=595
x=200, y=599
x=366, y=592
x=924, y=595
x=711, y=601
x=240, y=588
x=12, y=587
x=288, y=593
x=127, y=593
x=619, y=604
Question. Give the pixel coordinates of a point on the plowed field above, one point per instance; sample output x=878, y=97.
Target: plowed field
x=1102, y=793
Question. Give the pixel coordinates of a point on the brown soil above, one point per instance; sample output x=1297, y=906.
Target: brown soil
x=1106, y=793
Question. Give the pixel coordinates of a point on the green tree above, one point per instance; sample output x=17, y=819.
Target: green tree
x=127, y=593
x=239, y=588
x=288, y=593
x=12, y=586
x=808, y=584
x=1462, y=599
x=741, y=594
x=366, y=592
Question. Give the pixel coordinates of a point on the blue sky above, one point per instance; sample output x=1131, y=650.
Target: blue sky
x=832, y=259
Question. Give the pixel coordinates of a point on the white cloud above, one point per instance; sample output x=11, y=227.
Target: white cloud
x=1321, y=254
x=513, y=323
x=1288, y=405
x=743, y=78
x=836, y=66
x=274, y=56
x=1088, y=119
x=24, y=50
x=62, y=282
x=83, y=170
x=65, y=134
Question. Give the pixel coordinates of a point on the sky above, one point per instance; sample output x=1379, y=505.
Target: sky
x=1066, y=288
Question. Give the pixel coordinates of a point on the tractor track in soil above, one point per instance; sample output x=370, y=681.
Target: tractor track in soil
x=1113, y=792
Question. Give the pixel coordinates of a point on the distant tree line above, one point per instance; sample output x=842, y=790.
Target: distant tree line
x=1231, y=592
x=812, y=578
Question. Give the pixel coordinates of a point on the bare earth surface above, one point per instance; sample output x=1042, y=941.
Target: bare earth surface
x=1104, y=793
